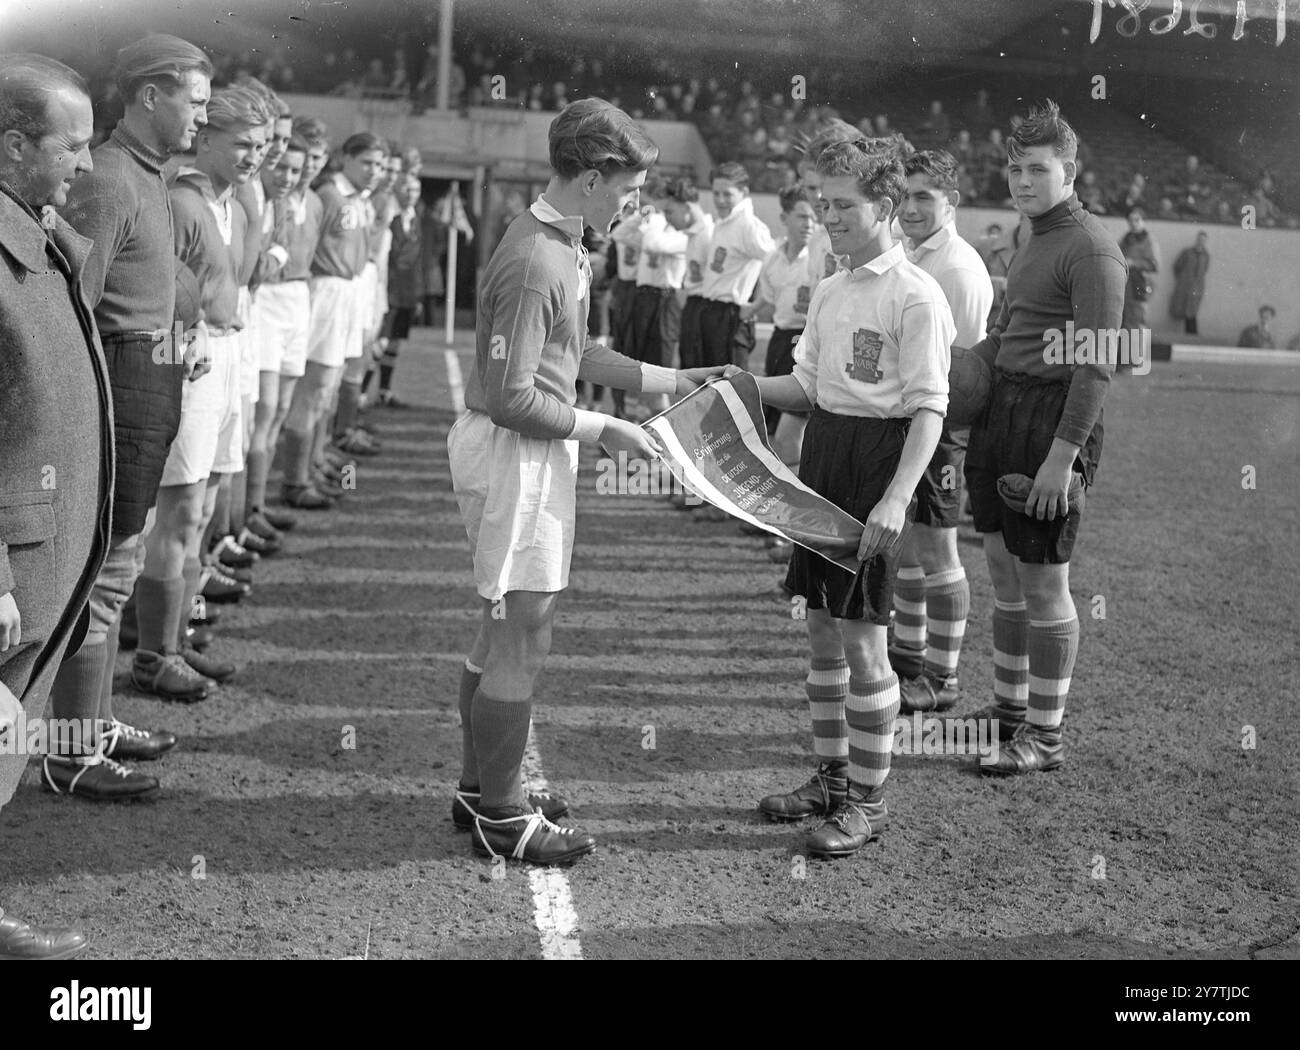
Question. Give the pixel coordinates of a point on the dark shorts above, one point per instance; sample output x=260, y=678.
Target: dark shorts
x=620, y=315
x=724, y=338
x=850, y=460
x=780, y=362
x=397, y=322
x=647, y=344
x=938, y=496
x=1014, y=436
x=689, y=344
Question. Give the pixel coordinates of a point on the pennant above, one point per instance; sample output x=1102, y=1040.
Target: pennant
x=715, y=444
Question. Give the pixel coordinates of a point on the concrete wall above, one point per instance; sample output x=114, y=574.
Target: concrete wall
x=1247, y=268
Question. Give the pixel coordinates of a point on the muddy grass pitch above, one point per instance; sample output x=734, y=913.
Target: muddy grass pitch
x=674, y=700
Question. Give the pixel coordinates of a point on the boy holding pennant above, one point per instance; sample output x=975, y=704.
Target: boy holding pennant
x=514, y=462
x=873, y=360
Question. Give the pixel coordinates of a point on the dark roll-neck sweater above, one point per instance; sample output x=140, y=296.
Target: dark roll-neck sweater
x=1071, y=269
x=123, y=207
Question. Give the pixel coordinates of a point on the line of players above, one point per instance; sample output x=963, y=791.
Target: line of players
x=685, y=279
x=295, y=287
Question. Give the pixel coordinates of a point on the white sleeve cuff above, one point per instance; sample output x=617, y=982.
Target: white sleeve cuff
x=587, y=426
x=658, y=380
x=279, y=254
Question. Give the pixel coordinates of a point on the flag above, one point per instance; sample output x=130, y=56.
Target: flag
x=715, y=444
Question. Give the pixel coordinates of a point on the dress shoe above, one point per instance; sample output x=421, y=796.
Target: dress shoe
x=1034, y=749
x=927, y=693
x=279, y=519
x=304, y=497
x=465, y=807
x=387, y=400
x=20, y=940
x=121, y=741
x=859, y=819
x=97, y=779
x=230, y=554
x=209, y=667
x=530, y=837
x=168, y=677
x=820, y=797
x=220, y=587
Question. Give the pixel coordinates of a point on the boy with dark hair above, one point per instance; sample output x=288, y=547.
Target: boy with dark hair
x=932, y=599
x=514, y=460
x=741, y=241
x=873, y=360
x=1043, y=421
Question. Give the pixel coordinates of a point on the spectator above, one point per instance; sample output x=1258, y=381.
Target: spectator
x=1134, y=195
x=991, y=164
x=1090, y=194
x=426, y=90
x=979, y=114
x=1259, y=335
x=935, y=129
x=1190, y=269
x=1143, y=257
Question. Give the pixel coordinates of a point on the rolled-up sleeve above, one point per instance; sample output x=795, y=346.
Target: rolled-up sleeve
x=925, y=343
x=808, y=349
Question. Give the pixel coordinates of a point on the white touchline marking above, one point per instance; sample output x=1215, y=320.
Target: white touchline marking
x=556, y=920
x=454, y=381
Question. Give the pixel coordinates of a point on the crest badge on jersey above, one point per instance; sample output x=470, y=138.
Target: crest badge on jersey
x=697, y=273
x=719, y=260
x=801, y=299
x=865, y=366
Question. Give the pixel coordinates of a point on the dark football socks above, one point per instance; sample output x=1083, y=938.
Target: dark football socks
x=500, y=736
x=110, y=664
x=75, y=697
x=191, y=574
x=470, y=676
x=159, y=607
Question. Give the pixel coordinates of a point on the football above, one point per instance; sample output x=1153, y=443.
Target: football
x=189, y=307
x=970, y=380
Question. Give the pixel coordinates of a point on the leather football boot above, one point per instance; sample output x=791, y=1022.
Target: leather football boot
x=819, y=797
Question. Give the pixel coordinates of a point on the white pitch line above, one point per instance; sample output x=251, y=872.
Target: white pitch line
x=455, y=381
x=556, y=920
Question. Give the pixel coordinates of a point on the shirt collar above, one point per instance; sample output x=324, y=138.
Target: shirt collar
x=745, y=207
x=936, y=240
x=344, y=184
x=204, y=185
x=570, y=225
x=882, y=263
x=150, y=158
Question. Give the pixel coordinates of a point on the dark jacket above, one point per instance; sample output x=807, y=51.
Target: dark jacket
x=405, y=266
x=56, y=453
x=1190, y=270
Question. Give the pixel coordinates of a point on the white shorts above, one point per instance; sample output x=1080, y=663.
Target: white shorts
x=248, y=338
x=333, y=321
x=281, y=317
x=518, y=497
x=210, y=438
x=364, y=290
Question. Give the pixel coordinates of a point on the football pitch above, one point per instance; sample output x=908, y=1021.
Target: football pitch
x=306, y=811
